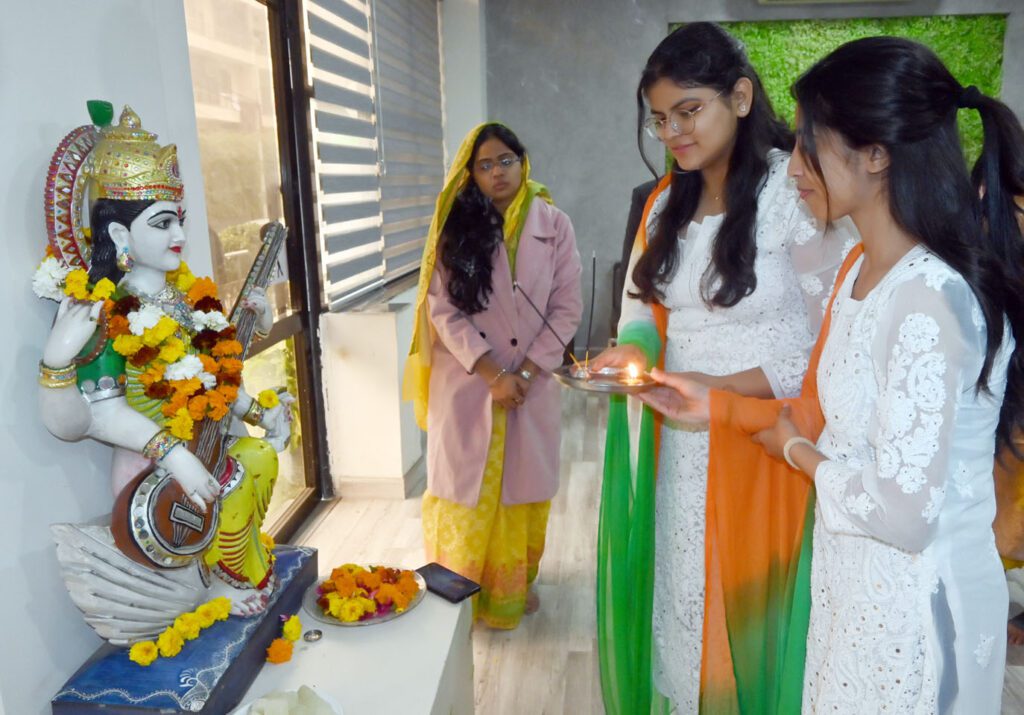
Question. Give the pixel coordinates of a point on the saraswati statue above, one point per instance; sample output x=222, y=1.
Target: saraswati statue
x=143, y=356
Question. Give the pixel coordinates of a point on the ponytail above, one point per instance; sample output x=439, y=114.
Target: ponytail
x=998, y=179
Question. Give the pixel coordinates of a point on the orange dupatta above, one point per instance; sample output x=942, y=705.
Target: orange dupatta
x=757, y=560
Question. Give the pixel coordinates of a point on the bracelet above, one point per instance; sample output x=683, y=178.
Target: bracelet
x=525, y=374
x=254, y=415
x=501, y=373
x=792, y=442
x=57, y=377
x=159, y=445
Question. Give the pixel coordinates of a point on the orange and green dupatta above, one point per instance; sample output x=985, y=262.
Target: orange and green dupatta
x=757, y=550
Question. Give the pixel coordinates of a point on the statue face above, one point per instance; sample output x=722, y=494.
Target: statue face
x=156, y=237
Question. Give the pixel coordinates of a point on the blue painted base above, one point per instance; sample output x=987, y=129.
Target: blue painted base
x=210, y=675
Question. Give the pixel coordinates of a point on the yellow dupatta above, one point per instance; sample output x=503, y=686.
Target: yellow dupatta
x=416, y=381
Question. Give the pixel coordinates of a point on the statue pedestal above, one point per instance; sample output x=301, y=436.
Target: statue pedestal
x=212, y=672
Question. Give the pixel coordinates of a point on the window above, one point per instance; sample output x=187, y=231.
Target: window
x=236, y=85
x=375, y=117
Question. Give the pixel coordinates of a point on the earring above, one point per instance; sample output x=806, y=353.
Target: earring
x=743, y=107
x=124, y=261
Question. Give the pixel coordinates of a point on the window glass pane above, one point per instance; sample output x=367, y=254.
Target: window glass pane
x=233, y=85
x=273, y=368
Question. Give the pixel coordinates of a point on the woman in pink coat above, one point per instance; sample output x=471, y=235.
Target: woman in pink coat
x=480, y=365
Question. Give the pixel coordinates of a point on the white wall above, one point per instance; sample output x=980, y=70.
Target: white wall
x=463, y=70
x=56, y=55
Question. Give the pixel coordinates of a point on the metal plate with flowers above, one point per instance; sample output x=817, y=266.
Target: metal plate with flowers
x=313, y=594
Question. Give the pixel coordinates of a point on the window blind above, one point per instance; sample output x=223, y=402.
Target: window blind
x=375, y=115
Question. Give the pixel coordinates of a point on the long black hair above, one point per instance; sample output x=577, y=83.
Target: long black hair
x=895, y=93
x=702, y=54
x=472, y=232
x=103, y=262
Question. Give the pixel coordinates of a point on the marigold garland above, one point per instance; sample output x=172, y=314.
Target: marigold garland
x=197, y=377
x=353, y=593
x=186, y=627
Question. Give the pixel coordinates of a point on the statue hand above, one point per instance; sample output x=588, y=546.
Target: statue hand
x=197, y=483
x=257, y=302
x=72, y=329
x=277, y=421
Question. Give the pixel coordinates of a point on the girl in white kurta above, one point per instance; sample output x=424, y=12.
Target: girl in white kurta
x=917, y=382
x=771, y=329
x=742, y=271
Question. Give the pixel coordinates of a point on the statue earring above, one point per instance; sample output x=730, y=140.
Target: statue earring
x=124, y=261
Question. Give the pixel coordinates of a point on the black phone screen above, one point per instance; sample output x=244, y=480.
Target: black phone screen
x=446, y=583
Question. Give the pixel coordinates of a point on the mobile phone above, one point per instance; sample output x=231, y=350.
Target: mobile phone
x=446, y=583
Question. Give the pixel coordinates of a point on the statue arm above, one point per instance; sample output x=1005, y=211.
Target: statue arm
x=116, y=422
x=66, y=414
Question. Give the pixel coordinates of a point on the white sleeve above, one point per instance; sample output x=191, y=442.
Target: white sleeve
x=816, y=256
x=926, y=353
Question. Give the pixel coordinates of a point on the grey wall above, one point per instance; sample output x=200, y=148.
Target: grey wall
x=563, y=76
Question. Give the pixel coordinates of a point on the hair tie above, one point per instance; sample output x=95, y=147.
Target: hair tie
x=970, y=98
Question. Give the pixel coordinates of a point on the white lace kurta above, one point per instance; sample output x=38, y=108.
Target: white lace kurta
x=909, y=600
x=773, y=328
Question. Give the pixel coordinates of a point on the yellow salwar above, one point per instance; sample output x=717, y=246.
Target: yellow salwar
x=497, y=545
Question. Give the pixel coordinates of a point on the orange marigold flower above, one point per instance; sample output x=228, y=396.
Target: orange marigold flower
x=155, y=373
x=386, y=594
x=280, y=651
x=218, y=405
x=227, y=348
x=117, y=325
x=401, y=601
x=197, y=407
x=230, y=365
x=345, y=585
x=368, y=580
x=202, y=288
x=230, y=392
x=178, y=401
x=209, y=364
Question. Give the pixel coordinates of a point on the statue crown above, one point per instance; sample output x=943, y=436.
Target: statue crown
x=129, y=165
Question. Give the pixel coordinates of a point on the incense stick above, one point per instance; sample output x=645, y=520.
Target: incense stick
x=590, y=320
x=515, y=286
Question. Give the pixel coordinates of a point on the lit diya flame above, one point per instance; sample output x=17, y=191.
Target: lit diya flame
x=632, y=374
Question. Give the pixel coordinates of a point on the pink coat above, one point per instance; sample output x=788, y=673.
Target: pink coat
x=459, y=408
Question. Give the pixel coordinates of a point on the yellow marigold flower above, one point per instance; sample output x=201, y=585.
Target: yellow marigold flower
x=163, y=329
x=171, y=350
x=127, y=345
x=267, y=540
x=187, y=625
x=181, y=425
x=222, y=606
x=280, y=651
x=75, y=286
x=170, y=642
x=181, y=278
x=292, y=629
x=351, y=610
x=268, y=399
x=143, y=653
x=103, y=289
x=207, y=614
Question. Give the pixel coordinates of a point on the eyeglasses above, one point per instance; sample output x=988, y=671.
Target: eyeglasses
x=504, y=161
x=682, y=121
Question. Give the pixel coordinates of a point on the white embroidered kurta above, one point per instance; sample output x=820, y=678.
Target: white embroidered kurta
x=909, y=601
x=774, y=328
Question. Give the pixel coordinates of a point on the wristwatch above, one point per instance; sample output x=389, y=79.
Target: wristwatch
x=525, y=374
